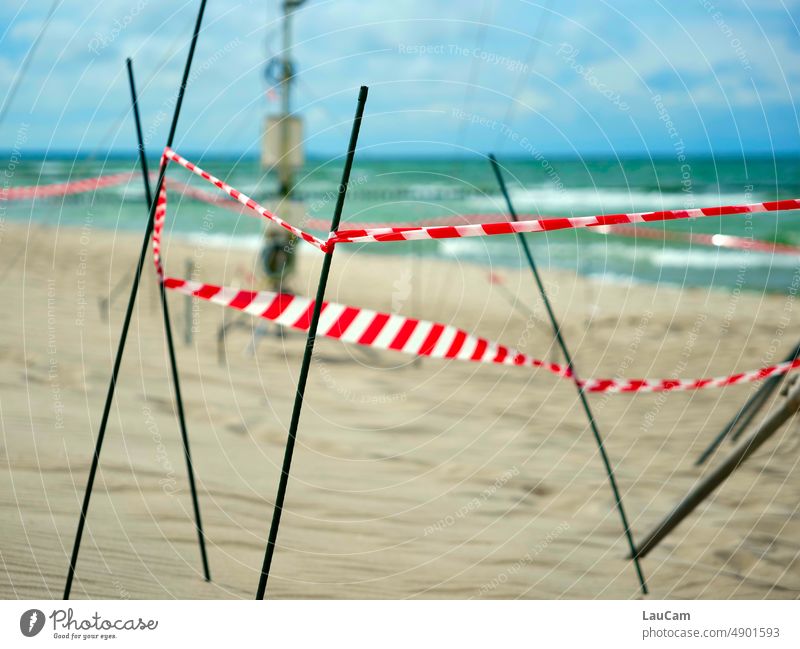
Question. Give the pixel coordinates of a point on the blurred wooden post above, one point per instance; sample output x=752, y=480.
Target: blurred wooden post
x=707, y=485
x=189, y=303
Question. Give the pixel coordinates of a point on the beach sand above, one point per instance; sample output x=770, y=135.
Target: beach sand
x=426, y=479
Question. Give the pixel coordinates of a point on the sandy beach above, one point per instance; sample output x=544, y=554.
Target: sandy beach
x=426, y=479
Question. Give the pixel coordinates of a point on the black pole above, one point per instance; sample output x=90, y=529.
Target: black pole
x=170, y=346
x=747, y=412
x=581, y=394
x=765, y=393
x=312, y=333
x=127, y=321
x=770, y=385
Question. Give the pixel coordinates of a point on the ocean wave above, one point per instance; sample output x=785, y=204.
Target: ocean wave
x=459, y=248
x=610, y=277
x=615, y=255
x=712, y=259
x=545, y=199
x=132, y=191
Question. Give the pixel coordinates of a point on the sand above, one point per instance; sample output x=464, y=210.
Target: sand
x=410, y=479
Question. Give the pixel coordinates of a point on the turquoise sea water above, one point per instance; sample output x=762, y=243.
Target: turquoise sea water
x=416, y=190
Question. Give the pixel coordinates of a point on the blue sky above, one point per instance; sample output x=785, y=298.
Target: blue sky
x=446, y=78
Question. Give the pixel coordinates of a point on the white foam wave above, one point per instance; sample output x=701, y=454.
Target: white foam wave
x=545, y=199
x=566, y=255
x=710, y=259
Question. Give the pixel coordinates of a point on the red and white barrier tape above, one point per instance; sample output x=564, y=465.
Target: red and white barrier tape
x=63, y=189
x=713, y=240
x=547, y=225
x=716, y=240
x=669, y=385
x=158, y=225
x=406, y=233
x=206, y=197
x=363, y=326
x=245, y=200
x=441, y=227
x=323, y=224
x=425, y=338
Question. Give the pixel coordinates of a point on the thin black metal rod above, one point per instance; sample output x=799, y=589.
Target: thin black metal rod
x=312, y=333
x=770, y=385
x=765, y=393
x=568, y=358
x=127, y=321
x=170, y=346
x=741, y=419
x=747, y=412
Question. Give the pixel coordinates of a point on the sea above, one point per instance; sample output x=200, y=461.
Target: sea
x=419, y=190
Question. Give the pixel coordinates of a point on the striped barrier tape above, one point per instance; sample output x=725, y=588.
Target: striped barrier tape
x=245, y=200
x=714, y=240
x=63, y=189
x=395, y=332
x=159, y=218
x=409, y=233
x=363, y=326
x=322, y=224
x=425, y=338
x=547, y=225
x=204, y=196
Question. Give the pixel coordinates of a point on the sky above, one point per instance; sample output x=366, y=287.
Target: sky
x=517, y=77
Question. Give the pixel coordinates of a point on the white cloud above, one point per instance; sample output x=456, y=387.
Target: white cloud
x=633, y=48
